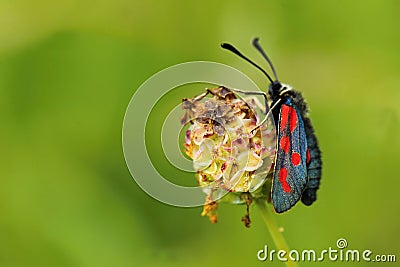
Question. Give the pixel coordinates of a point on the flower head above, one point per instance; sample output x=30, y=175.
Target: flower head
x=229, y=156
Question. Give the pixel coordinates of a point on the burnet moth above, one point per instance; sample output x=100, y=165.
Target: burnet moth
x=297, y=166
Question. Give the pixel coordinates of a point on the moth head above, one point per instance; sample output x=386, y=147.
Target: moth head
x=277, y=89
x=274, y=89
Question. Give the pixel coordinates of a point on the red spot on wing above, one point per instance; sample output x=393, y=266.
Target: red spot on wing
x=296, y=158
x=293, y=119
x=308, y=156
x=288, y=115
x=285, y=143
x=284, y=116
x=282, y=178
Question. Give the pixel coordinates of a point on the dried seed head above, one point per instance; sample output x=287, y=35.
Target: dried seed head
x=226, y=155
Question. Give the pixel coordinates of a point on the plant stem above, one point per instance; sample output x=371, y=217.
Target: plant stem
x=276, y=235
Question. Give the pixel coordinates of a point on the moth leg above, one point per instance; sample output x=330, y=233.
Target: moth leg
x=266, y=117
x=265, y=102
x=255, y=93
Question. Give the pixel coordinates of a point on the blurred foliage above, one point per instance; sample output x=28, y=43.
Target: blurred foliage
x=69, y=68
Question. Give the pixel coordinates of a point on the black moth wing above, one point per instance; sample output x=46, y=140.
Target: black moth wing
x=314, y=162
x=290, y=171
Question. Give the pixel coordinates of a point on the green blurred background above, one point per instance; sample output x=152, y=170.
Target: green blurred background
x=69, y=68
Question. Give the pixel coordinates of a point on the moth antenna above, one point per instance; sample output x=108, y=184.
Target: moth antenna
x=259, y=49
x=236, y=52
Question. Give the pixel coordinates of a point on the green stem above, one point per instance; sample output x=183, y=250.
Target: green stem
x=276, y=235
